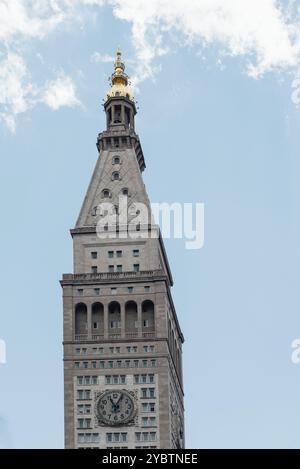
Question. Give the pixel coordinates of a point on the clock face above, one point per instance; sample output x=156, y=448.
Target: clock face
x=115, y=407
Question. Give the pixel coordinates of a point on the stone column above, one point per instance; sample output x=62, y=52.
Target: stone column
x=131, y=120
x=89, y=321
x=139, y=311
x=122, y=306
x=113, y=114
x=123, y=114
x=105, y=320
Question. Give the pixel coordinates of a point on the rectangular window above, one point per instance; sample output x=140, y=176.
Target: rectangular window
x=147, y=392
x=116, y=437
x=136, y=253
x=94, y=255
x=136, y=267
x=115, y=324
x=113, y=291
x=80, y=291
x=76, y=365
x=148, y=407
x=146, y=323
x=111, y=268
x=94, y=269
x=95, y=325
x=102, y=364
x=85, y=365
x=119, y=268
x=84, y=423
x=84, y=409
x=83, y=394
x=147, y=289
x=95, y=438
x=119, y=253
x=110, y=254
x=97, y=291
x=94, y=380
x=130, y=289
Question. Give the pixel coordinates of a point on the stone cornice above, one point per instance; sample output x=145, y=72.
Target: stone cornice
x=108, y=277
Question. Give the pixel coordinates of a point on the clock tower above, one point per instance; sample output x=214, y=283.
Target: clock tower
x=122, y=340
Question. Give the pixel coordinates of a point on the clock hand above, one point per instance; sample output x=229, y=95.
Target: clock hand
x=113, y=404
x=121, y=395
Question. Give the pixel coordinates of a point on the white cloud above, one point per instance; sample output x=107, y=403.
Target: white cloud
x=18, y=94
x=265, y=33
x=102, y=58
x=59, y=93
x=16, y=91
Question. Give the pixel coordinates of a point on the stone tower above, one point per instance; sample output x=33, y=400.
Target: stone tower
x=122, y=340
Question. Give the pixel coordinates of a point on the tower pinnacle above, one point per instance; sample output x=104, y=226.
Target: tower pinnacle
x=120, y=80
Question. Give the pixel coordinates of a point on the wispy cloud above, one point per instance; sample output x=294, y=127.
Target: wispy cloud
x=265, y=33
x=102, y=58
x=60, y=92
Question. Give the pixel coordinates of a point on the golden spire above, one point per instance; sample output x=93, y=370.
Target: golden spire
x=119, y=80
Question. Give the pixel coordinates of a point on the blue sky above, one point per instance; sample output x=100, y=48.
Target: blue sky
x=218, y=125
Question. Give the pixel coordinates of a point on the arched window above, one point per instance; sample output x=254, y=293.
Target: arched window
x=125, y=191
x=148, y=318
x=131, y=317
x=106, y=193
x=80, y=319
x=115, y=176
x=116, y=160
x=97, y=319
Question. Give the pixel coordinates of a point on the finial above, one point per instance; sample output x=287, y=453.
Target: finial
x=119, y=79
x=119, y=65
